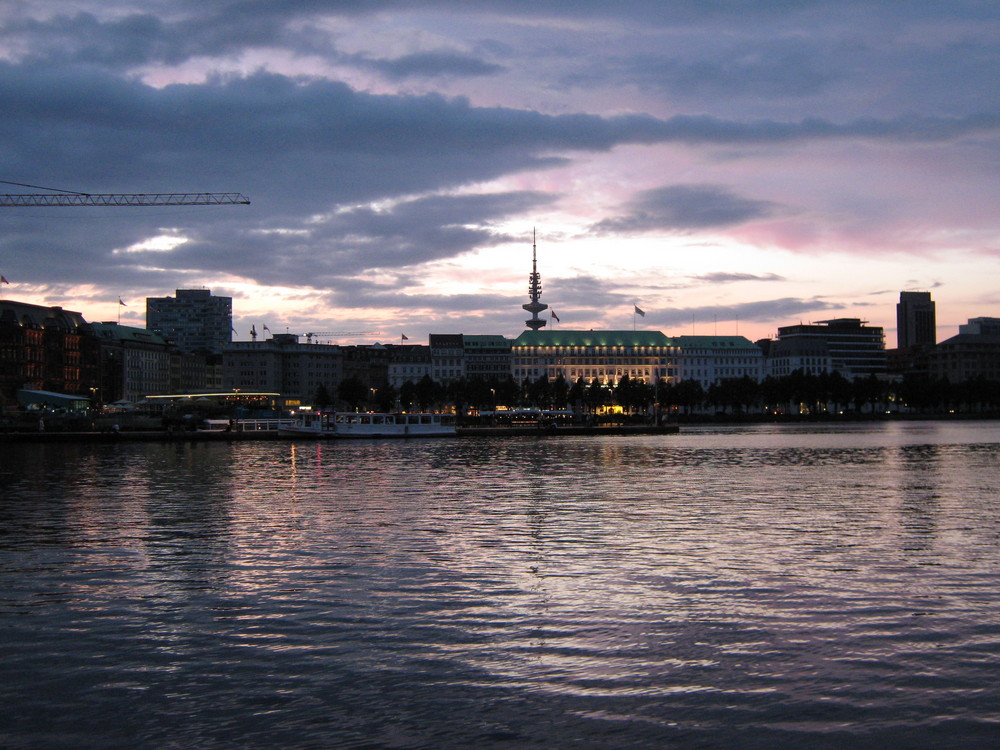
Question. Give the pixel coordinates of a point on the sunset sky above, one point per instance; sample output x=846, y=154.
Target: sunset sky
x=728, y=166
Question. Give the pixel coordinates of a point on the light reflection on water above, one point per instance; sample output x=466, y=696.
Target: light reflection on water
x=755, y=586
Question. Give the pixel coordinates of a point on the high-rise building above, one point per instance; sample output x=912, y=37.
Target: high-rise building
x=194, y=320
x=916, y=322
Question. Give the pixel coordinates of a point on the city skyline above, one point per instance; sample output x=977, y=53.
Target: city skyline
x=728, y=169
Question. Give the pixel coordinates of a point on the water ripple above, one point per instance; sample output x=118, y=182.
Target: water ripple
x=753, y=588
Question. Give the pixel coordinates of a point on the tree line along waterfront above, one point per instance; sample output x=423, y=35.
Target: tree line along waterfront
x=632, y=399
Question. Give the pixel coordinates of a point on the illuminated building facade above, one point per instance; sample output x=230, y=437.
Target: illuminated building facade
x=45, y=348
x=606, y=356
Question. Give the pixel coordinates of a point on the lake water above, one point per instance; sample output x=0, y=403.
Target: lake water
x=757, y=587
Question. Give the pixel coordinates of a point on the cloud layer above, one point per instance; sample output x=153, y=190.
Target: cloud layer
x=392, y=151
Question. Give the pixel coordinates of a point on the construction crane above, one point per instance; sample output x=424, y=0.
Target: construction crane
x=59, y=197
x=309, y=336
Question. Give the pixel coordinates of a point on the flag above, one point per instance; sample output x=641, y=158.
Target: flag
x=266, y=328
x=253, y=330
x=404, y=337
x=3, y=280
x=639, y=312
x=554, y=316
x=122, y=304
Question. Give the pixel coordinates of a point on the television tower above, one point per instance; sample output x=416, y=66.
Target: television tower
x=534, y=290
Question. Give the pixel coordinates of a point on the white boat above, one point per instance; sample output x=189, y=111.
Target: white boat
x=369, y=425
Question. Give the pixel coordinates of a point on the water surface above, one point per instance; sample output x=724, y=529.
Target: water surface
x=725, y=587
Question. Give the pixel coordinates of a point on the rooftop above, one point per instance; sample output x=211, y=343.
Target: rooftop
x=554, y=337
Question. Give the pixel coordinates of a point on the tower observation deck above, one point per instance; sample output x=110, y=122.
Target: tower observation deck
x=534, y=291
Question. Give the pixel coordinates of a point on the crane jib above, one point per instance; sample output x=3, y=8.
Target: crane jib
x=123, y=199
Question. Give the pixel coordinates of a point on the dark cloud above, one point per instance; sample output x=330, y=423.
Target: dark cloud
x=314, y=255
x=709, y=130
x=347, y=181
x=134, y=39
x=432, y=65
x=762, y=70
x=684, y=208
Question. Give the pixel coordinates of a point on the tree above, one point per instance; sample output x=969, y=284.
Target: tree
x=577, y=394
x=540, y=392
x=559, y=392
x=353, y=391
x=869, y=392
x=408, y=395
x=429, y=392
x=386, y=398
x=688, y=394
x=322, y=398
x=597, y=395
x=633, y=394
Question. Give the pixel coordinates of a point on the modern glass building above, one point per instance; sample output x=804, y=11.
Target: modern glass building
x=855, y=348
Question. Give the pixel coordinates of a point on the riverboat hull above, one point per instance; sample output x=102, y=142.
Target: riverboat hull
x=348, y=425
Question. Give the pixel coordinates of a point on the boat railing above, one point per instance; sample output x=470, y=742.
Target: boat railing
x=263, y=425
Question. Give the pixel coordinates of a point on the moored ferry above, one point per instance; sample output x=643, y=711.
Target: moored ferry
x=370, y=425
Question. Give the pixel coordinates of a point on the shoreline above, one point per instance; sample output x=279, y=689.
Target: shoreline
x=237, y=436
x=671, y=428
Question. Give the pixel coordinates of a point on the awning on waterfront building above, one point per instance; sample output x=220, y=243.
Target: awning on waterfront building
x=51, y=400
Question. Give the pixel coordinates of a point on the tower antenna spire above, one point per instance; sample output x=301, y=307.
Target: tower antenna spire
x=534, y=289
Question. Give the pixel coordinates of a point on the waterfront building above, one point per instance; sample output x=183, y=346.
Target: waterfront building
x=368, y=364
x=487, y=357
x=408, y=363
x=856, y=349
x=194, y=321
x=973, y=353
x=447, y=357
x=135, y=362
x=981, y=327
x=606, y=356
x=46, y=349
x=282, y=364
x=916, y=322
x=195, y=372
x=711, y=359
x=810, y=356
